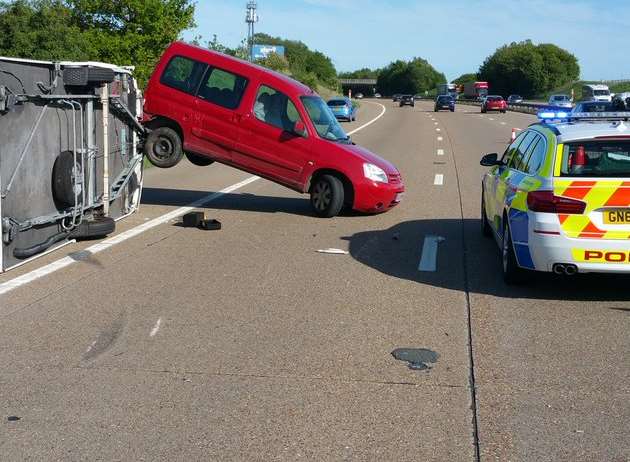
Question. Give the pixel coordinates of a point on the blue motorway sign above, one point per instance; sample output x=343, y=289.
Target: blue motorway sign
x=262, y=51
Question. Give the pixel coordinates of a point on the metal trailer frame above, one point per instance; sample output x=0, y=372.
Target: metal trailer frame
x=63, y=113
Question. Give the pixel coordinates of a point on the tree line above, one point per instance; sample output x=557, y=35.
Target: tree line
x=132, y=32
x=516, y=68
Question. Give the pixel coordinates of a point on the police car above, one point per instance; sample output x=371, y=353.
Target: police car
x=558, y=200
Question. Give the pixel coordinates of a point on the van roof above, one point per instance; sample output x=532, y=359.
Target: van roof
x=281, y=81
x=597, y=86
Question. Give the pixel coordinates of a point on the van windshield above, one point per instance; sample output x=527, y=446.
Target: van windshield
x=324, y=120
x=601, y=92
x=606, y=159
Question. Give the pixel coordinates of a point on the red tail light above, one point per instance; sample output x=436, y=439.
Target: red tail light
x=546, y=201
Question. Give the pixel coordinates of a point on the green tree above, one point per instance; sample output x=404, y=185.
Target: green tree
x=527, y=69
x=41, y=30
x=275, y=62
x=310, y=67
x=125, y=32
x=364, y=73
x=412, y=77
x=133, y=32
x=466, y=78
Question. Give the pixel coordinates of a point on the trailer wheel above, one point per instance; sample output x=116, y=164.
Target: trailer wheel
x=163, y=147
x=63, y=179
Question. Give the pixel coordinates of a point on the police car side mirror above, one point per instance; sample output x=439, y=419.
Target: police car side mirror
x=490, y=160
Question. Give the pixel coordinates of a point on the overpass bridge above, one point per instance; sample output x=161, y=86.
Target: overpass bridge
x=365, y=86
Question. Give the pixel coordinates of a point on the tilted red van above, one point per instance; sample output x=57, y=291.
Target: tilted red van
x=212, y=107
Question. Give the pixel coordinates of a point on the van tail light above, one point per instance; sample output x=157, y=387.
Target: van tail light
x=546, y=201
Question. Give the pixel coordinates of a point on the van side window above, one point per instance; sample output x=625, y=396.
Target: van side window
x=222, y=88
x=183, y=74
x=275, y=108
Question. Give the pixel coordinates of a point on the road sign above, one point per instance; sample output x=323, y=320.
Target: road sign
x=262, y=51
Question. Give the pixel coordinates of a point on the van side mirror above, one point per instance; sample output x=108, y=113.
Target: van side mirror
x=299, y=129
x=490, y=160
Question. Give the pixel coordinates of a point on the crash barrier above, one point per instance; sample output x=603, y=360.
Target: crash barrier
x=69, y=159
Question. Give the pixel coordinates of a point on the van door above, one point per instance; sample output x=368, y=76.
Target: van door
x=267, y=144
x=216, y=126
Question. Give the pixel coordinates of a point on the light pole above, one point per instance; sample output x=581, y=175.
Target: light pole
x=251, y=18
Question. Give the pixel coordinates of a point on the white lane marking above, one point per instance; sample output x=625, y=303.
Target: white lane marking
x=106, y=244
x=440, y=152
x=440, y=138
x=490, y=118
x=502, y=123
x=428, y=260
x=439, y=179
x=438, y=130
x=333, y=251
x=155, y=328
x=435, y=123
x=383, y=111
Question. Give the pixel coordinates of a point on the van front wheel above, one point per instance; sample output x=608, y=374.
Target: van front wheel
x=163, y=147
x=327, y=196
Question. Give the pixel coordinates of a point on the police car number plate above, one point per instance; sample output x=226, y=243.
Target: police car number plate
x=617, y=217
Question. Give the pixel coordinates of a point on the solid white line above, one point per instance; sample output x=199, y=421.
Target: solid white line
x=439, y=179
x=440, y=152
x=383, y=111
x=107, y=243
x=428, y=260
x=155, y=328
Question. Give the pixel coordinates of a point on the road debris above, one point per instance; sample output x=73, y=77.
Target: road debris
x=334, y=251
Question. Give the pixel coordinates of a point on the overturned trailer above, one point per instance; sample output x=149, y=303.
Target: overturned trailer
x=70, y=162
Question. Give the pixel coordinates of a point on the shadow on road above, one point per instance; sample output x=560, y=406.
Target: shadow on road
x=397, y=251
x=234, y=201
x=231, y=201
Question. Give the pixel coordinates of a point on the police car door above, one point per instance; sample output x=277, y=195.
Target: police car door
x=510, y=176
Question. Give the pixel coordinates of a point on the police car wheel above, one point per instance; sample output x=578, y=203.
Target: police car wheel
x=485, y=227
x=512, y=273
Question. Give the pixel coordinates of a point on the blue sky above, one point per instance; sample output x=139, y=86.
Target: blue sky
x=453, y=35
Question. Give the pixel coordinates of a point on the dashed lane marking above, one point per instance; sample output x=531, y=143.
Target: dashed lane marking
x=428, y=259
x=155, y=328
x=440, y=152
x=439, y=179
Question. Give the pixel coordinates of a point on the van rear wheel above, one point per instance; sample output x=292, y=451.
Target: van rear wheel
x=163, y=147
x=327, y=196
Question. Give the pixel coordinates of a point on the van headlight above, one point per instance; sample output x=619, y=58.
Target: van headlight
x=374, y=173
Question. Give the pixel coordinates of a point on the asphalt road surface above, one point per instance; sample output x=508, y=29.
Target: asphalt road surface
x=248, y=344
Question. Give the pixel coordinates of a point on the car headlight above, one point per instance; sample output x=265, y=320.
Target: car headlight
x=374, y=173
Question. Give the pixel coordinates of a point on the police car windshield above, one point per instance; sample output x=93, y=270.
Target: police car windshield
x=603, y=159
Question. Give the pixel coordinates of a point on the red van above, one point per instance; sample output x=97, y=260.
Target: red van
x=212, y=107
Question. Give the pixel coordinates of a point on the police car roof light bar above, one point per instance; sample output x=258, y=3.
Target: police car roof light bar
x=563, y=116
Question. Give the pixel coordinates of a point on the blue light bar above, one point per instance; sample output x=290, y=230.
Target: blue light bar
x=564, y=116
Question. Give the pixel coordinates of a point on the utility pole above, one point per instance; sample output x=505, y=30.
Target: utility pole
x=251, y=19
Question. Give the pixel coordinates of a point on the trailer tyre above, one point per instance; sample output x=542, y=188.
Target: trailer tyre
x=62, y=179
x=94, y=229
x=163, y=147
